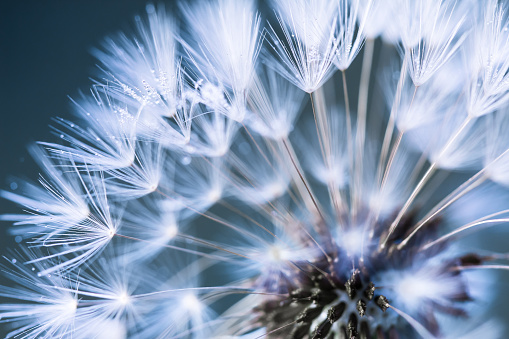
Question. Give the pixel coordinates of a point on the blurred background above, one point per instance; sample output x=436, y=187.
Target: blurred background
x=45, y=58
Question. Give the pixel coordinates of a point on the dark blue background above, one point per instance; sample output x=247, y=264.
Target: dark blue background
x=44, y=58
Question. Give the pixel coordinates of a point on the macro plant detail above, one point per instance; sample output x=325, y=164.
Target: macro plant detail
x=318, y=171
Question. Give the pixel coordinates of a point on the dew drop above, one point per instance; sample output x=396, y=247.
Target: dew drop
x=18, y=239
x=14, y=261
x=13, y=186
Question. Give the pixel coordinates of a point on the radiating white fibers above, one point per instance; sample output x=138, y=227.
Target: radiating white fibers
x=223, y=180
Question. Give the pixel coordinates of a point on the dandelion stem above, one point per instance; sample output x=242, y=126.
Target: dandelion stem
x=258, y=147
x=474, y=181
x=210, y=256
x=277, y=329
x=431, y=170
x=481, y=221
x=424, y=180
x=232, y=289
x=244, y=215
x=392, y=120
x=216, y=218
x=303, y=179
x=360, y=137
x=395, y=147
x=209, y=244
x=348, y=132
x=466, y=187
x=322, y=130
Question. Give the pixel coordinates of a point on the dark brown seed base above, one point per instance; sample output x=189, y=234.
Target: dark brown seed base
x=344, y=305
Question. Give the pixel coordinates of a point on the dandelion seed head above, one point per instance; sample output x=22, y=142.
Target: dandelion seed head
x=353, y=242
x=191, y=303
x=111, y=233
x=171, y=231
x=123, y=299
x=214, y=195
x=222, y=180
x=277, y=254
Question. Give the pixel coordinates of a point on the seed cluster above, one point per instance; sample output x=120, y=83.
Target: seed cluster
x=325, y=307
x=328, y=300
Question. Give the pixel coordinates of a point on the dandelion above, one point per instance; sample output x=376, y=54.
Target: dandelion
x=220, y=181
